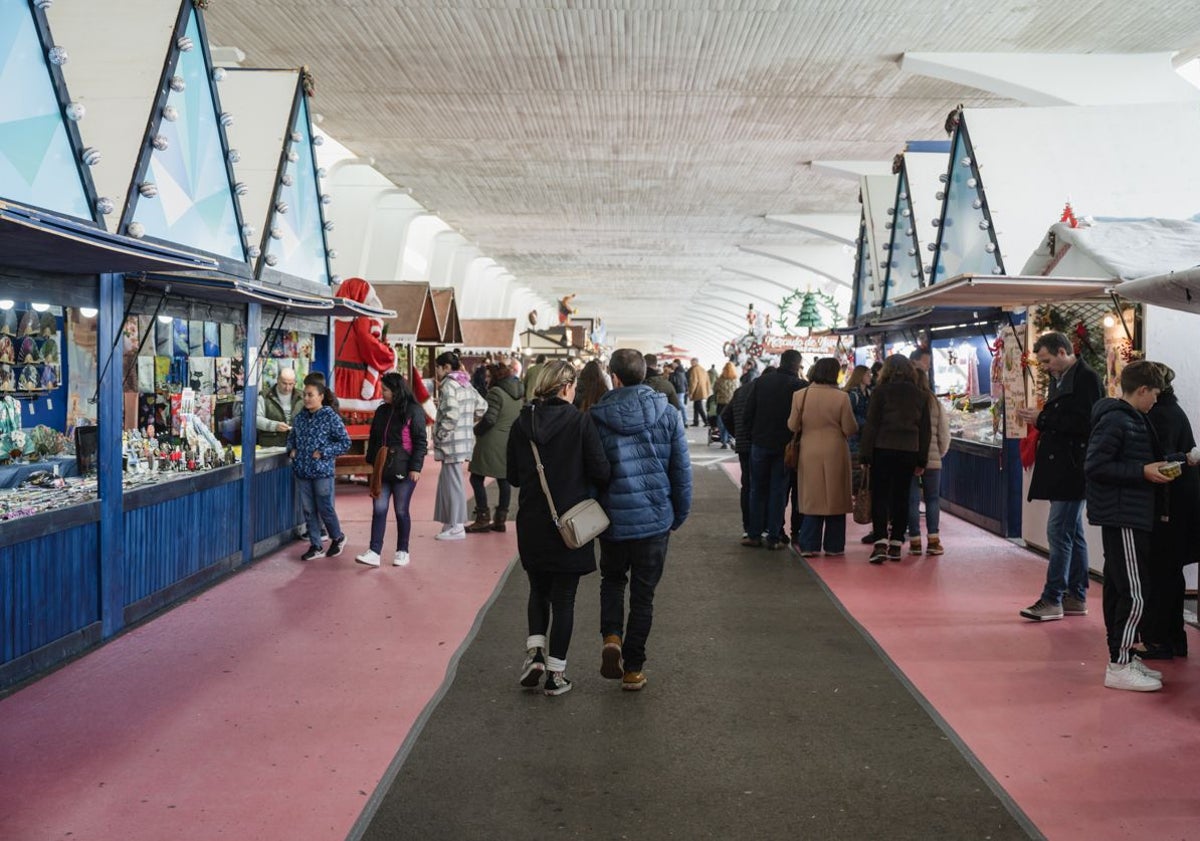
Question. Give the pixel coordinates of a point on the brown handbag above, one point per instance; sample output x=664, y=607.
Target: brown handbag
x=791, y=453
x=862, y=499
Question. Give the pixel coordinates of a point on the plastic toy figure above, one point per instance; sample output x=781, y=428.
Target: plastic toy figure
x=361, y=355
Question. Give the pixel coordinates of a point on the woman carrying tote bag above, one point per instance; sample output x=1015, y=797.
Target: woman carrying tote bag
x=575, y=467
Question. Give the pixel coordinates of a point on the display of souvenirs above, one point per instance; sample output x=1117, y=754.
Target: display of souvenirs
x=195, y=338
x=7, y=352
x=145, y=373
x=49, y=325
x=10, y=425
x=164, y=338
x=43, y=491
x=223, y=376
x=200, y=374
x=28, y=352
x=8, y=322
x=49, y=377
x=228, y=335
x=146, y=331
x=29, y=379
x=8, y=380
x=180, y=336
x=212, y=339
x=31, y=324
x=50, y=350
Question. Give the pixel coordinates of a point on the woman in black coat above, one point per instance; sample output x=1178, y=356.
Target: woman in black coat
x=399, y=424
x=1176, y=540
x=575, y=465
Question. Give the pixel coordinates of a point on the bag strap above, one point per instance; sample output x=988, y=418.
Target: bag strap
x=803, y=403
x=541, y=471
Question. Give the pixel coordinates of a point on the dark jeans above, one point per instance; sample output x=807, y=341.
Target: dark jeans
x=699, y=415
x=316, y=501
x=1067, y=571
x=640, y=564
x=1162, y=624
x=818, y=531
x=553, y=593
x=721, y=426
x=891, y=476
x=479, y=486
x=794, y=503
x=768, y=492
x=744, y=462
x=400, y=492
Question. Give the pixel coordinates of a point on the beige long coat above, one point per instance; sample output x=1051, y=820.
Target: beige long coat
x=828, y=420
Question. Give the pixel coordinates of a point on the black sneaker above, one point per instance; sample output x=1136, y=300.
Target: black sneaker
x=880, y=552
x=313, y=553
x=556, y=683
x=335, y=548
x=535, y=665
x=895, y=551
x=868, y=538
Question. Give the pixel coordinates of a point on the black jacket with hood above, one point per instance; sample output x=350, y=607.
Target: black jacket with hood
x=1181, y=532
x=575, y=467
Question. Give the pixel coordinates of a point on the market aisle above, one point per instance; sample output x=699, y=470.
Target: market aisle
x=1027, y=698
x=267, y=707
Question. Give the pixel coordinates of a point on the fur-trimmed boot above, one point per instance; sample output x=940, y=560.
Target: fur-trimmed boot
x=499, y=520
x=483, y=521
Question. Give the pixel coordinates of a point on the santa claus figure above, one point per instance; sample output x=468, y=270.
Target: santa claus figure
x=361, y=355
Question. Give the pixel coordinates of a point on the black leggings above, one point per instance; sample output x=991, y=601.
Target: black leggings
x=891, y=476
x=553, y=592
x=479, y=486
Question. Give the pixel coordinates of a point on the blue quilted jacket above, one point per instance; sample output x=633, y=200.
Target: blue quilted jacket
x=320, y=431
x=650, y=491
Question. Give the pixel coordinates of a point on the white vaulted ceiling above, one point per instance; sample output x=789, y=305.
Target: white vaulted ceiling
x=629, y=151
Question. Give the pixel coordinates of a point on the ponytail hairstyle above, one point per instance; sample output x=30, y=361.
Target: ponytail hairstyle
x=450, y=358
x=552, y=377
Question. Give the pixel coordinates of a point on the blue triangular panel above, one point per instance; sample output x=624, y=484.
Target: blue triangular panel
x=966, y=243
x=38, y=166
x=194, y=204
x=295, y=242
x=904, y=262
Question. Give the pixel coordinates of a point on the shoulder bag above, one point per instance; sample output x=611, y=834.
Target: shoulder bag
x=581, y=523
x=388, y=462
x=862, y=499
x=791, y=453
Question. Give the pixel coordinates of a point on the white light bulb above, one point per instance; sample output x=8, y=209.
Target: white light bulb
x=165, y=319
x=88, y=312
x=1109, y=321
x=7, y=304
x=40, y=307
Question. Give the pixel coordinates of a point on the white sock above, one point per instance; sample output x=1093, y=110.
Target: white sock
x=535, y=641
x=556, y=665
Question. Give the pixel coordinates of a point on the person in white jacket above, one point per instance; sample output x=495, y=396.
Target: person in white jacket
x=459, y=407
x=929, y=484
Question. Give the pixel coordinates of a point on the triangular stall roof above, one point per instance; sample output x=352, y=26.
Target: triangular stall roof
x=488, y=335
x=416, y=318
x=446, y=306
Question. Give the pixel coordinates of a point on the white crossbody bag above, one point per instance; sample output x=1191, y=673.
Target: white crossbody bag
x=581, y=523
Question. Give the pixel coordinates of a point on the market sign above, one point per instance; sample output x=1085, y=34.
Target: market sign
x=812, y=345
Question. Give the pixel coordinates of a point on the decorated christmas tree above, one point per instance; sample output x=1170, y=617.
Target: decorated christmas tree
x=808, y=316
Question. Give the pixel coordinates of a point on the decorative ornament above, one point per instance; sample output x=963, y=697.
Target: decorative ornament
x=281, y=207
x=136, y=230
x=57, y=55
x=160, y=143
x=897, y=163
x=200, y=4
x=43, y=4
x=953, y=119
x=177, y=84
x=90, y=156
x=218, y=74
x=334, y=280
x=170, y=113
x=318, y=140
x=226, y=119
x=148, y=189
x=276, y=232
x=254, y=251
x=307, y=82
x=185, y=44
x=105, y=205
x=76, y=111
x=1068, y=216
x=286, y=179
x=328, y=226
x=326, y=198
x=293, y=155
x=332, y=253
x=297, y=137
x=240, y=188
x=320, y=172
x=234, y=156
x=248, y=231
x=272, y=260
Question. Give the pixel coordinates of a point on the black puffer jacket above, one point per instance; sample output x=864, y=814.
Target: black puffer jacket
x=1063, y=426
x=1121, y=445
x=1181, y=532
x=734, y=416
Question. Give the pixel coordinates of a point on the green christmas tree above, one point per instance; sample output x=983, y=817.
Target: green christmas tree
x=809, y=317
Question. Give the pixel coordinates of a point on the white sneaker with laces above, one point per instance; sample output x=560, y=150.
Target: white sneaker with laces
x=456, y=532
x=401, y=559
x=1126, y=676
x=1141, y=666
x=369, y=558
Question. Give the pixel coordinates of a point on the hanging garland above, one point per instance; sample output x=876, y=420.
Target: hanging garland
x=827, y=302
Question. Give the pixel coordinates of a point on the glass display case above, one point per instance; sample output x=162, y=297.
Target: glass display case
x=974, y=420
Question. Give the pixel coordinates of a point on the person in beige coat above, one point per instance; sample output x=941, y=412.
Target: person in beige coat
x=825, y=420
x=929, y=484
x=699, y=390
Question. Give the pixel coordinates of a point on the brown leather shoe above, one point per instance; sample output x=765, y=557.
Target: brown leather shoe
x=633, y=681
x=610, y=658
x=483, y=521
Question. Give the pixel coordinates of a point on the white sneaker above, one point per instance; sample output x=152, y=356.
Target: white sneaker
x=456, y=532
x=401, y=559
x=369, y=558
x=1141, y=666
x=1129, y=677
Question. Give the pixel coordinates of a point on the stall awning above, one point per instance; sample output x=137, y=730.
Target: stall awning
x=231, y=290
x=1174, y=290
x=31, y=239
x=348, y=308
x=1006, y=291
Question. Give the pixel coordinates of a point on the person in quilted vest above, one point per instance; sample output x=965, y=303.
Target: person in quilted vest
x=459, y=408
x=316, y=439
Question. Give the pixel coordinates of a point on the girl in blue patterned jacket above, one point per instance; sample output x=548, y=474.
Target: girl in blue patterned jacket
x=316, y=439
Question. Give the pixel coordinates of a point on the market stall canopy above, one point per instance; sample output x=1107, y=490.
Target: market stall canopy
x=1118, y=248
x=1006, y=291
x=349, y=308
x=488, y=334
x=447, y=313
x=32, y=239
x=416, y=319
x=233, y=290
x=1175, y=290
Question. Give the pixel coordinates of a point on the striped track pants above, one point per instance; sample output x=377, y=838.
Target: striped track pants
x=1126, y=575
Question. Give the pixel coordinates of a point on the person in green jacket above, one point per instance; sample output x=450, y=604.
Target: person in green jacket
x=489, y=458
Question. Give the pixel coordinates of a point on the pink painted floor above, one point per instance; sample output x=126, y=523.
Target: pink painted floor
x=1028, y=698
x=268, y=707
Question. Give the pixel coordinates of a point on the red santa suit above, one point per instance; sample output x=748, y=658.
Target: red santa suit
x=361, y=356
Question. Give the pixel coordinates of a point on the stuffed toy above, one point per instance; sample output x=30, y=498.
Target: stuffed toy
x=361, y=356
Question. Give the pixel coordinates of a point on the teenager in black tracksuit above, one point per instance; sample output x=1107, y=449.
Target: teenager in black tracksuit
x=1123, y=483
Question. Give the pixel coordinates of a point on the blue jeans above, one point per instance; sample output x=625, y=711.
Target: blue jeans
x=832, y=527
x=1067, y=573
x=768, y=492
x=640, y=563
x=400, y=492
x=721, y=427
x=929, y=485
x=316, y=501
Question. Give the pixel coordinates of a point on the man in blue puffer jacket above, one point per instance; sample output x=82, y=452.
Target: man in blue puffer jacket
x=648, y=497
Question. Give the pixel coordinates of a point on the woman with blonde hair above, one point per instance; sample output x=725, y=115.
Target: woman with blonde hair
x=727, y=384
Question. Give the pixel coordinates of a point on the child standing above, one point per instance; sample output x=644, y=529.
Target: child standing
x=316, y=439
x=1124, y=475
